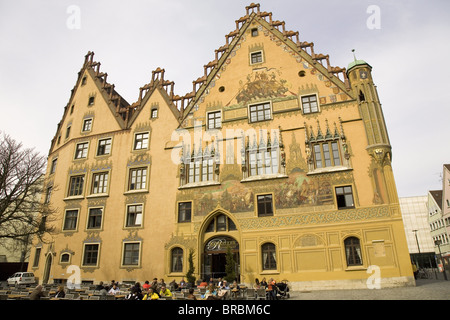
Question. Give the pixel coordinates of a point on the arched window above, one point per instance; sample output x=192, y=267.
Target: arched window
x=220, y=223
x=269, y=261
x=177, y=260
x=65, y=257
x=353, y=251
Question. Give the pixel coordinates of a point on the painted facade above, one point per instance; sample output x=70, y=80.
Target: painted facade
x=275, y=153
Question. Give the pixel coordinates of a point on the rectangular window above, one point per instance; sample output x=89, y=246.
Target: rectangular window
x=309, y=104
x=48, y=195
x=134, y=215
x=76, y=186
x=37, y=256
x=95, y=218
x=131, y=254
x=184, y=211
x=81, y=150
x=260, y=112
x=104, y=147
x=265, y=207
x=90, y=254
x=344, y=197
x=141, y=141
x=154, y=113
x=214, y=120
x=70, y=220
x=68, y=132
x=256, y=57
x=100, y=183
x=327, y=154
x=53, y=167
x=91, y=101
x=87, y=125
x=138, y=179
x=263, y=161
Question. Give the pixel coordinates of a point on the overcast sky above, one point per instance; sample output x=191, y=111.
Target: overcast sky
x=43, y=44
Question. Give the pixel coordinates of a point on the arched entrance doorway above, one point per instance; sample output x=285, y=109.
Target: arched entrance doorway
x=215, y=257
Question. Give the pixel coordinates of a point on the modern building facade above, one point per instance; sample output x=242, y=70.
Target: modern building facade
x=439, y=219
x=417, y=229
x=275, y=155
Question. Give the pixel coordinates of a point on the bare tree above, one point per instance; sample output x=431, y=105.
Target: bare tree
x=22, y=213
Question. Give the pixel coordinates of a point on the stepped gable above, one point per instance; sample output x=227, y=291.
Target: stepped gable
x=305, y=49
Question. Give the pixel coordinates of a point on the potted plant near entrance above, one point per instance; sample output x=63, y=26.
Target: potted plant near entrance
x=230, y=266
x=190, y=273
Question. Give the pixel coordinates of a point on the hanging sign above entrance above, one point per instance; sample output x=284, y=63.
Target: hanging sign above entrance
x=221, y=244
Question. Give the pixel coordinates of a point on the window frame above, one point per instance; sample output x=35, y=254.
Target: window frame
x=132, y=253
x=79, y=186
x=265, y=203
x=342, y=197
x=90, y=121
x=88, y=218
x=105, y=187
x=262, y=103
x=141, y=141
x=273, y=262
x=136, y=215
x=85, y=252
x=176, y=258
x=184, y=217
x=84, y=150
x=53, y=165
x=73, y=220
x=141, y=182
x=215, y=126
x=352, y=257
x=309, y=103
x=259, y=58
x=97, y=154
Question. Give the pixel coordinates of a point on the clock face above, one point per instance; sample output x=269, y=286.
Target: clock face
x=363, y=74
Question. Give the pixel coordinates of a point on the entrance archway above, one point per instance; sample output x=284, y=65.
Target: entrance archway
x=214, y=257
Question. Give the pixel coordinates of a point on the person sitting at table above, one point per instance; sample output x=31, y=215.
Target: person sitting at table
x=225, y=285
x=203, y=284
x=257, y=284
x=136, y=291
x=151, y=295
x=60, y=292
x=100, y=286
x=174, y=286
x=114, y=290
x=146, y=285
x=154, y=284
x=191, y=295
x=210, y=293
x=263, y=283
x=183, y=284
x=165, y=292
x=37, y=293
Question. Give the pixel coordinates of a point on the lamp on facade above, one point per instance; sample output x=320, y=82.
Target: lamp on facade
x=438, y=243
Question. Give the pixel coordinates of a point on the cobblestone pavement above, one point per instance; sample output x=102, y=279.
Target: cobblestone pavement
x=425, y=289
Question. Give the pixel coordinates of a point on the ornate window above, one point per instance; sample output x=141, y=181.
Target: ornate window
x=131, y=254
x=100, y=182
x=260, y=112
x=81, y=150
x=76, y=186
x=70, y=220
x=263, y=159
x=265, y=205
x=353, y=251
x=141, y=141
x=95, y=218
x=309, y=104
x=137, y=179
x=134, y=215
x=104, y=147
x=177, y=260
x=90, y=257
x=326, y=152
x=199, y=167
x=269, y=261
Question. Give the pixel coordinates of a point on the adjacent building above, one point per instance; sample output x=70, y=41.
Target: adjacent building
x=275, y=155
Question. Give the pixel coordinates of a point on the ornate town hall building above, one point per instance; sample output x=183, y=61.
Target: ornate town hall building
x=275, y=154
